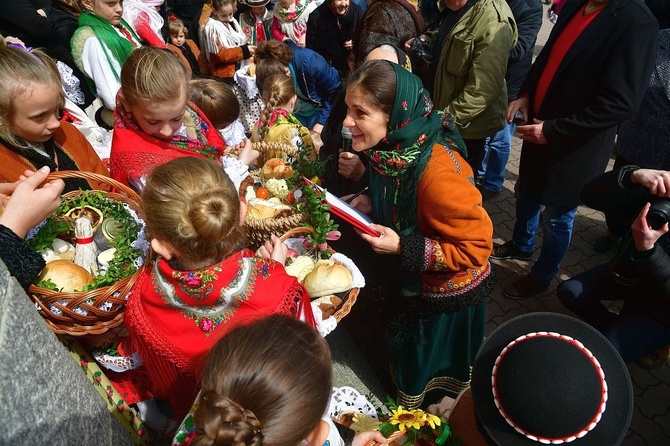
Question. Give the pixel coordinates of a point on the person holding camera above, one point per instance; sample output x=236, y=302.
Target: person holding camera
x=640, y=272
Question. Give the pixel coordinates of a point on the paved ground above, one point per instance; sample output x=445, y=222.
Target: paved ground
x=651, y=418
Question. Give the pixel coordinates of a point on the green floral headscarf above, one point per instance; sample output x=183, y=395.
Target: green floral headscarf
x=399, y=160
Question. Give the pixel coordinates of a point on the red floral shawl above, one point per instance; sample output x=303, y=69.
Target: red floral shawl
x=175, y=317
x=135, y=153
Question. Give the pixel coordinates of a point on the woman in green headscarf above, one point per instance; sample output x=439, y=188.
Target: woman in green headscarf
x=423, y=195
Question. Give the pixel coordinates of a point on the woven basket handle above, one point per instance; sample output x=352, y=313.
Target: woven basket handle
x=122, y=188
x=295, y=231
x=390, y=439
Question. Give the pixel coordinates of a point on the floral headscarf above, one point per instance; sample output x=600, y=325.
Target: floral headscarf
x=400, y=158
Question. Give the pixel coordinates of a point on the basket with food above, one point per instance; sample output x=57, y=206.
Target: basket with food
x=332, y=279
x=273, y=199
x=95, y=247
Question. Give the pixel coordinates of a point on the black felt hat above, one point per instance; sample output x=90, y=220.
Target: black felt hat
x=550, y=378
x=255, y=3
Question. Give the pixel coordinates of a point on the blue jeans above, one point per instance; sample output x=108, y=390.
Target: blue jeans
x=557, y=223
x=497, y=149
x=632, y=332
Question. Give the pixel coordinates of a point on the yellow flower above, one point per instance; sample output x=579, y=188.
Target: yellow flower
x=431, y=419
x=362, y=423
x=405, y=419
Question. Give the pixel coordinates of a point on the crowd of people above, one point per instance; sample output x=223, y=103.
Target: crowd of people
x=414, y=102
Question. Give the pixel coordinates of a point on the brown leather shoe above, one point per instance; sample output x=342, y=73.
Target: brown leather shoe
x=525, y=287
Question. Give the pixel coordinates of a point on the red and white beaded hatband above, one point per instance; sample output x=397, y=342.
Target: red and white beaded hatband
x=603, y=385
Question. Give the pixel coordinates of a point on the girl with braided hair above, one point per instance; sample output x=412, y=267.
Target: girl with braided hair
x=277, y=122
x=267, y=382
x=203, y=280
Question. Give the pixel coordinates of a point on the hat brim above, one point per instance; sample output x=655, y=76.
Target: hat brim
x=255, y=3
x=613, y=426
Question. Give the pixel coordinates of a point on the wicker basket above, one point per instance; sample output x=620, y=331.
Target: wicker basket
x=350, y=298
x=259, y=231
x=270, y=150
x=97, y=321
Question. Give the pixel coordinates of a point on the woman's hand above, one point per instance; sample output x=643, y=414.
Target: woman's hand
x=252, y=50
x=318, y=128
x=274, y=249
x=31, y=201
x=362, y=438
x=644, y=236
x=387, y=243
x=657, y=181
x=349, y=44
x=362, y=203
x=350, y=166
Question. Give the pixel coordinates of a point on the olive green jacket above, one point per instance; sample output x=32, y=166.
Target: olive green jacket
x=470, y=73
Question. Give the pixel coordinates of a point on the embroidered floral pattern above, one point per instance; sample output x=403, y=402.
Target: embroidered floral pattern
x=190, y=292
x=197, y=284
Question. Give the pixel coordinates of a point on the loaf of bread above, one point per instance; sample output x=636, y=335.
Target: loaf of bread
x=328, y=277
x=66, y=275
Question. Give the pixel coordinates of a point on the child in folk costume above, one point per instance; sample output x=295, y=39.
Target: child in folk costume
x=266, y=382
x=204, y=281
x=155, y=123
x=185, y=48
x=222, y=40
x=218, y=102
x=256, y=22
x=31, y=135
x=290, y=20
x=143, y=16
x=100, y=45
x=277, y=123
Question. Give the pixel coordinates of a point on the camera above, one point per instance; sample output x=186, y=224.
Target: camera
x=659, y=213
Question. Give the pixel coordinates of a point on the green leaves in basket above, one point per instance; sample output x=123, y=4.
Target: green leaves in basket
x=48, y=284
x=122, y=264
x=318, y=212
x=48, y=233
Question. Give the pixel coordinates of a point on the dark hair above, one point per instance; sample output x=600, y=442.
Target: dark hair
x=384, y=22
x=265, y=382
x=377, y=81
x=271, y=57
x=216, y=100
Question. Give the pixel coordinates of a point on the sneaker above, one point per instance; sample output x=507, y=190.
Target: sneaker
x=525, y=287
x=655, y=359
x=508, y=251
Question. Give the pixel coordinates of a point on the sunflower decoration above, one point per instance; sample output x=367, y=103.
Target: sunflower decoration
x=420, y=427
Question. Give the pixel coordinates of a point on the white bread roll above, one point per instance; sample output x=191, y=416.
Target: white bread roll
x=66, y=275
x=328, y=277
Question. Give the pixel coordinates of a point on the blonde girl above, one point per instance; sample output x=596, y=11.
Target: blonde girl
x=223, y=42
x=154, y=122
x=31, y=134
x=100, y=46
x=204, y=280
x=277, y=122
